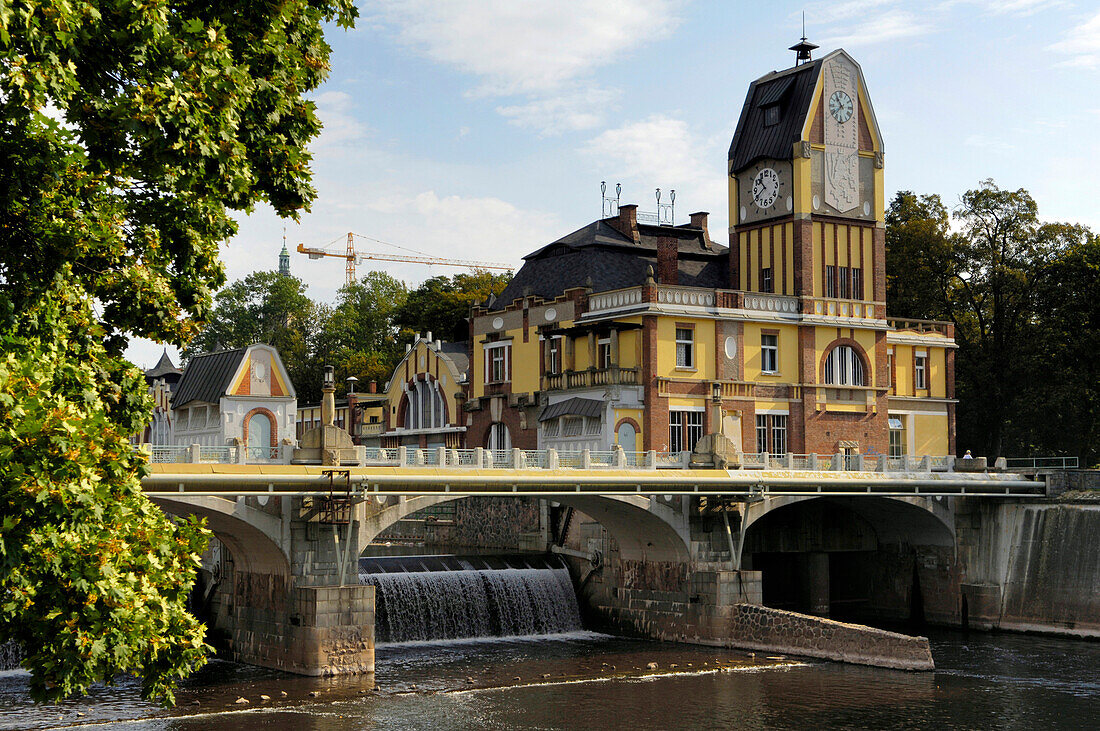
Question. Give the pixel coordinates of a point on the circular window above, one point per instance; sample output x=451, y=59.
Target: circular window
x=731, y=347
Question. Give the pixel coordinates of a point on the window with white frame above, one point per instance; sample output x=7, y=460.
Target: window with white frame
x=424, y=407
x=685, y=429
x=769, y=353
x=771, y=434
x=603, y=353
x=572, y=426
x=550, y=428
x=920, y=370
x=844, y=367
x=497, y=357
x=685, y=347
x=592, y=426
x=766, y=284
x=897, y=437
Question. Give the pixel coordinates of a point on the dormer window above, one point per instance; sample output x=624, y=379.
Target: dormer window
x=771, y=115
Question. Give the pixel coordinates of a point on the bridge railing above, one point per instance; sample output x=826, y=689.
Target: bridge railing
x=1038, y=463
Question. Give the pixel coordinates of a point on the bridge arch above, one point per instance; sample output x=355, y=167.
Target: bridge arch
x=645, y=529
x=244, y=530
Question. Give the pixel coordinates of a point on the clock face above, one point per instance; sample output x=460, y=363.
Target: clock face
x=840, y=106
x=765, y=188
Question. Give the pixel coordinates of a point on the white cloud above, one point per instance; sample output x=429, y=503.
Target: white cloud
x=663, y=151
x=1082, y=44
x=886, y=26
x=578, y=109
x=340, y=125
x=544, y=52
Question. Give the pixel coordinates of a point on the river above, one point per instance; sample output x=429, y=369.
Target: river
x=582, y=680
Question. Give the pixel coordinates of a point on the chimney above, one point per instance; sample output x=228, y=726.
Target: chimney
x=668, y=270
x=438, y=345
x=628, y=222
x=428, y=337
x=699, y=220
x=372, y=387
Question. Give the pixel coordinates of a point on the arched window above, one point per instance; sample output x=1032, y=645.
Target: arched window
x=259, y=437
x=424, y=408
x=844, y=367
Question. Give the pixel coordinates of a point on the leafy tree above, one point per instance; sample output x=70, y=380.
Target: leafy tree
x=919, y=247
x=171, y=114
x=440, y=305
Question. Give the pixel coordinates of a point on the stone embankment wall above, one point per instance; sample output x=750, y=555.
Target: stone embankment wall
x=313, y=630
x=775, y=630
x=1031, y=566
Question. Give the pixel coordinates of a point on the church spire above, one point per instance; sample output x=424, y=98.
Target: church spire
x=284, y=257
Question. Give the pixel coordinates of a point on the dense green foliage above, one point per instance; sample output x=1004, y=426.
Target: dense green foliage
x=128, y=132
x=360, y=334
x=1022, y=296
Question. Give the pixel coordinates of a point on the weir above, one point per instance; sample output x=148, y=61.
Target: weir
x=420, y=598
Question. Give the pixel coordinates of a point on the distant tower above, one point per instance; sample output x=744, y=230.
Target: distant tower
x=284, y=258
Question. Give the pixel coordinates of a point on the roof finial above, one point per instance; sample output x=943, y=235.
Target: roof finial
x=802, y=49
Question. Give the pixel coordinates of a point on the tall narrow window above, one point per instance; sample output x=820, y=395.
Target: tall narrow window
x=496, y=362
x=769, y=353
x=553, y=350
x=857, y=284
x=897, y=437
x=675, y=431
x=779, y=434
x=830, y=281
x=761, y=433
x=843, y=274
x=766, y=284
x=685, y=347
x=499, y=437
x=693, y=429
x=920, y=371
x=771, y=434
x=890, y=366
x=603, y=353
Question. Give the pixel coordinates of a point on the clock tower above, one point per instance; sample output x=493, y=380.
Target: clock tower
x=806, y=190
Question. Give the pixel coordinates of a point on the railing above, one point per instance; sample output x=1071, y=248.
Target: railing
x=770, y=303
x=222, y=455
x=1038, y=463
x=262, y=454
x=615, y=299
x=921, y=326
x=693, y=296
x=832, y=307
x=170, y=453
x=372, y=429
x=591, y=377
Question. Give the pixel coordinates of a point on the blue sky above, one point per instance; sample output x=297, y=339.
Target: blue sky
x=481, y=129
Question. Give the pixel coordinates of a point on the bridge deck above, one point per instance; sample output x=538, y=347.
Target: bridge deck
x=297, y=480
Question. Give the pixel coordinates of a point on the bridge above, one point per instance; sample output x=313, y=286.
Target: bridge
x=686, y=547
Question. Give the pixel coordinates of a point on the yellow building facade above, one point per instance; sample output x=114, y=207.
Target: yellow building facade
x=648, y=335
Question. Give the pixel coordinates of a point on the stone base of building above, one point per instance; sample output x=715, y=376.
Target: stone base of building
x=312, y=630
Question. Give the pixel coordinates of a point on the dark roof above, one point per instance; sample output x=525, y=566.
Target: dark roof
x=612, y=261
x=456, y=353
x=207, y=377
x=793, y=91
x=164, y=367
x=572, y=407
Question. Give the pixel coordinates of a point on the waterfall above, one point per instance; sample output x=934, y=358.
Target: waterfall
x=10, y=655
x=469, y=602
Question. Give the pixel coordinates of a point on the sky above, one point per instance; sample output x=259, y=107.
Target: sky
x=481, y=129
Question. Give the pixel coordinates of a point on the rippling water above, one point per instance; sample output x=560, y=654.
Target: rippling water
x=583, y=680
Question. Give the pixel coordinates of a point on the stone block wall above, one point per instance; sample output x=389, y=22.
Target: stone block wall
x=755, y=627
x=313, y=630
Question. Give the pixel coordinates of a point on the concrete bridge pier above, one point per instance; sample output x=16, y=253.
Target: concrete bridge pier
x=282, y=586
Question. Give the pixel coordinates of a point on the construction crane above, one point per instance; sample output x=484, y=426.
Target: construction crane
x=354, y=257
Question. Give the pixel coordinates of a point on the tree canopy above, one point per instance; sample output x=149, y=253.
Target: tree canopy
x=1013, y=286
x=128, y=132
